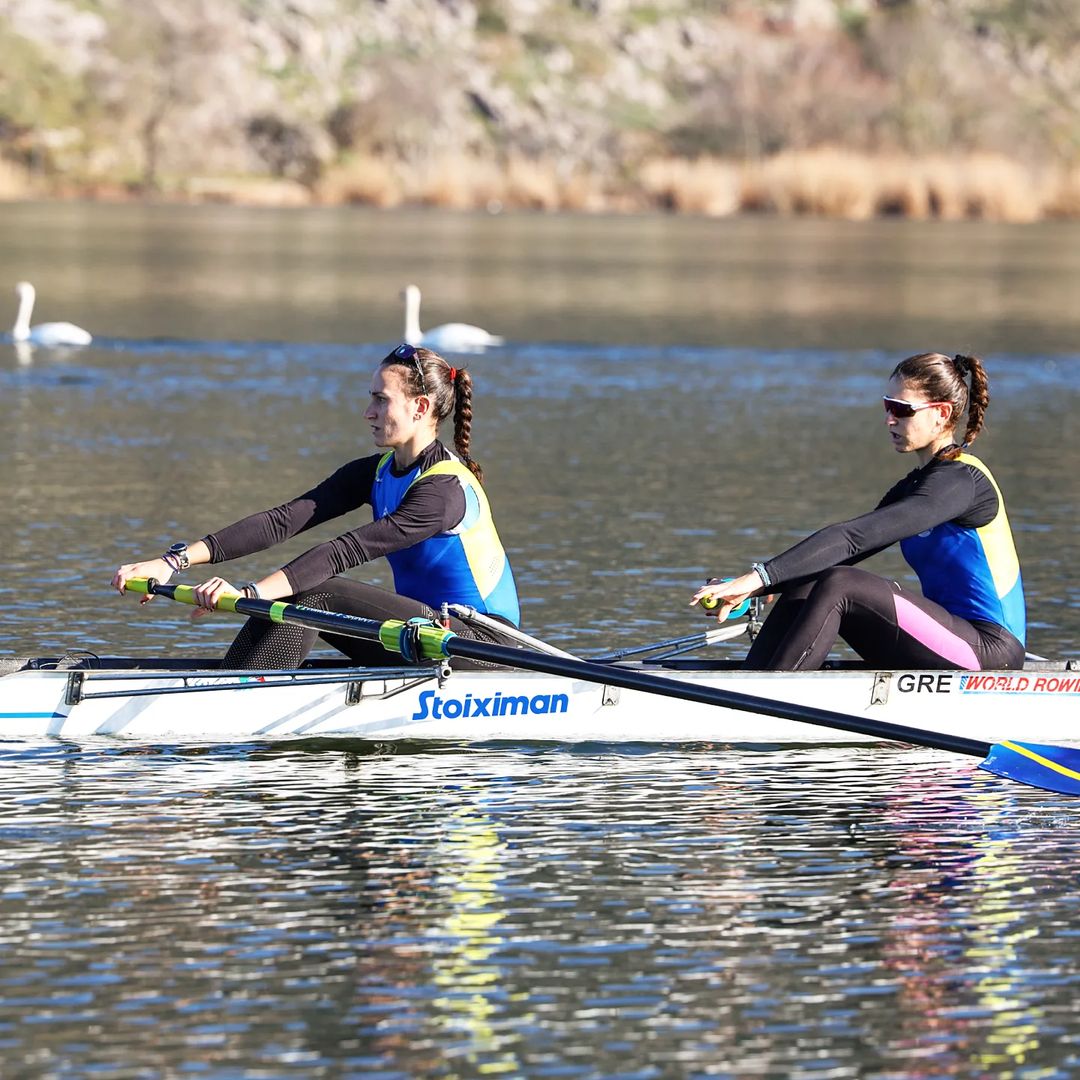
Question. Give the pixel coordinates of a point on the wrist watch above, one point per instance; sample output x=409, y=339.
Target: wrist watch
x=179, y=552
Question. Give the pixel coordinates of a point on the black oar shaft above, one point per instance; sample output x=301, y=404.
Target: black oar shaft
x=566, y=667
x=709, y=695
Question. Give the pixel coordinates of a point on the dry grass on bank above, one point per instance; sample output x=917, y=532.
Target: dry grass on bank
x=1064, y=201
x=839, y=184
x=246, y=191
x=826, y=182
x=14, y=183
x=460, y=182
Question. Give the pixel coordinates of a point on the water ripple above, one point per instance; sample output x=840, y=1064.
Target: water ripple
x=532, y=912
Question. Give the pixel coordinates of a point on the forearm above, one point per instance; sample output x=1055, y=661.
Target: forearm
x=198, y=553
x=828, y=547
x=344, y=491
x=433, y=506
x=923, y=500
x=257, y=532
x=850, y=542
x=274, y=586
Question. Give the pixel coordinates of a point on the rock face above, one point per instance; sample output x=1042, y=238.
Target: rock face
x=165, y=95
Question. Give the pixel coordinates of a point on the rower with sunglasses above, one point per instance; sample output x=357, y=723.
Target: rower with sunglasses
x=431, y=521
x=948, y=516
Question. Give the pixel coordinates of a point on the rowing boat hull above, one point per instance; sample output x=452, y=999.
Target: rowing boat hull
x=141, y=702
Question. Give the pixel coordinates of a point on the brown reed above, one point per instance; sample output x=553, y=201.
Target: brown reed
x=826, y=181
x=14, y=182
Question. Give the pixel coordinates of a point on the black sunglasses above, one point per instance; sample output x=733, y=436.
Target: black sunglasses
x=410, y=352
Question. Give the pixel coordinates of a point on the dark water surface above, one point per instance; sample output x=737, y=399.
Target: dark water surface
x=533, y=913
x=677, y=398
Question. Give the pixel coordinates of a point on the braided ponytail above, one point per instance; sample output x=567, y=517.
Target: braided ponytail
x=463, y=421
x=978, y=396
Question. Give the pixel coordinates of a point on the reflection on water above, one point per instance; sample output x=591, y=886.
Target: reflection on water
x=468, y=1010
x=679, y=398
x=533, y=913
x=334, y=275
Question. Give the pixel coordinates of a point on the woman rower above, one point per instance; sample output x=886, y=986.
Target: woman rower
x=949, y=517
x=431, y=521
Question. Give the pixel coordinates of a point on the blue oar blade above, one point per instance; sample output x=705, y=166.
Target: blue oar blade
x=1052, y=768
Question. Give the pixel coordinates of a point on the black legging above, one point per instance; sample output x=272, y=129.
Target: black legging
x=887, y=627
x=277, y=646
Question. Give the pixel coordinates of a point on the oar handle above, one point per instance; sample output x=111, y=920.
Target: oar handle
x=416, y=640
x=185, y=594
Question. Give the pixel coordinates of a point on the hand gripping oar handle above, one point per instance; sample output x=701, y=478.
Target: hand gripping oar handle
x=389, y=634
x=1052, y=767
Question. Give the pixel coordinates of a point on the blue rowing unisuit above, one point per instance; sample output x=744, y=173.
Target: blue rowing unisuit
x=970, y=570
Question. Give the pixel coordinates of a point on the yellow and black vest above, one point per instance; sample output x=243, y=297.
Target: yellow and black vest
x=972, y=572
x=465, y=566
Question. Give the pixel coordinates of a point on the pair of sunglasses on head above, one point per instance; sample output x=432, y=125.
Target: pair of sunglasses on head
x=411, y=353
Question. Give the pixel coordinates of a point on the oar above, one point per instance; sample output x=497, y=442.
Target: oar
x=676, y=645
x=1053, y=768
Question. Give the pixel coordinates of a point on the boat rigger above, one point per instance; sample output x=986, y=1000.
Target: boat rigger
x=534, y=695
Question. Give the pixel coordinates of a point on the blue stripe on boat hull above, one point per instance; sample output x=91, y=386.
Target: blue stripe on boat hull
x=33, y=716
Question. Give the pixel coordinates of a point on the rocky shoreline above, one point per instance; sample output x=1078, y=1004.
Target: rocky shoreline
x=918, y=108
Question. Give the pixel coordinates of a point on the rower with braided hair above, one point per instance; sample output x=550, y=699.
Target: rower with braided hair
x=948, y=516
x=431, y=521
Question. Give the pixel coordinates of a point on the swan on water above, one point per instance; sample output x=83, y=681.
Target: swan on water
x=50, y=333
x=450, y=337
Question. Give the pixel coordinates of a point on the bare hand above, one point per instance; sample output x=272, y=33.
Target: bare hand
x=209, y=593
x=727, y=594
x=158, y=569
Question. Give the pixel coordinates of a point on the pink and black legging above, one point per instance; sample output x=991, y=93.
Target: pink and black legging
x=886, y=626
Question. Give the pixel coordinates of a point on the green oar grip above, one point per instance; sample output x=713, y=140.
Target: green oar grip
x=431, y=640
x=415, y=640
x=184, y=593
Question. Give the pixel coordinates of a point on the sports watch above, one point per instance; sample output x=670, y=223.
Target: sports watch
x=177, y=557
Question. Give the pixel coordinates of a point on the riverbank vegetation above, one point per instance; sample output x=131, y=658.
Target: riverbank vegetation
x=844, y=108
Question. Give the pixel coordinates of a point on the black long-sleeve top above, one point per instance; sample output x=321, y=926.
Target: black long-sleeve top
x=940, y=491
x=434, y=506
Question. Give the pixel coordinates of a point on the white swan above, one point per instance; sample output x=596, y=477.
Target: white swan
x=50, y=333
x=452, y=337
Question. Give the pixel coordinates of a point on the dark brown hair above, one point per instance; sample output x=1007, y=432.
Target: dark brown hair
x=450, y=390
x=942, y=378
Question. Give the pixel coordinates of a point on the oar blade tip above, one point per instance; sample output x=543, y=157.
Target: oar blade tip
x=1052, y=768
